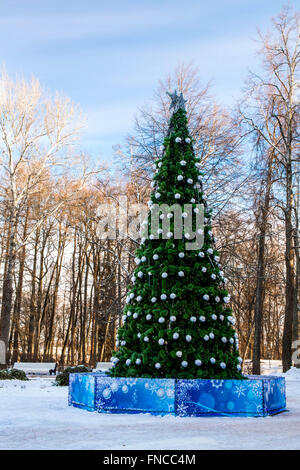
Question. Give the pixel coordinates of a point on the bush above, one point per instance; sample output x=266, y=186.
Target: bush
x=12, y=374
x=62, y=378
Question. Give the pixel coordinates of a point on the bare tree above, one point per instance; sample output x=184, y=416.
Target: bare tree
x=35, y=132
x=273, y=105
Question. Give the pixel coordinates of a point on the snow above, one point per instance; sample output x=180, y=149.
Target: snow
x=35, y=415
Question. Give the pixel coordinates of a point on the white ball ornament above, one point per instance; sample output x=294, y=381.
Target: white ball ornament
x=139, y=335
x=143, y=259
x=179, y=353
x=157, y=365
x=211, y=335
x=184, y=215
x=164, y=275
x=184, y=364
x=206, y=297
x=177, y=196
x=190, y=181
x=155, y=257
x=217, y=299
x=238, y=367
x=179, y=178
x=187, y=236
x=223, y=365
x=149, y=316
x=183, y=163
x=140, y=274
x=176, y=335
x=214, y=316
x=128, y=362
x=193, y=319
x=231, y=340
x=212, y=360
x=169, y=215
x=163, y=296
x=124, y=317
x=221, y=317
x=181, y=274
x=159, y=231
x=240, y=359
x=200, y=231
x=161, y=320
x=202, y=318
x=181, y=254
x=157, y=195
x=169, y=234
x=123, y=343
x=188, y=338
x=151, y=236
x=137, y=260
x=210, y=251
x=223, y=339
x=146, y=339
x=172, y=318
x=226, y=300
x=172, y=296
x=201, y=254
x=193, y=200
x=138, y=361
x=198, y=362
x=131, y=296
x=206, y=338
x=178, y=139
x=153, y=300
x=217, y=258
x=204, y=269
x=196, y=210
x=135, y=315
x=161, y=341
x=162, y=216
x=213, y=276
x=188, y=140
x=139, y=298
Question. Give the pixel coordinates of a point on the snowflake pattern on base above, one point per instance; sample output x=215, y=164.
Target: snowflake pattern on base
x=257, y=396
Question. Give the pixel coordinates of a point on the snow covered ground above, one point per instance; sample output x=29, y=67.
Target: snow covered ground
x=35, y=415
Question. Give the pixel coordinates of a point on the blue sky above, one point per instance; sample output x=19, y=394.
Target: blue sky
x=108, y=55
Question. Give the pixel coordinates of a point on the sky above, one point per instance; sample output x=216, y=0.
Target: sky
x=108, y=55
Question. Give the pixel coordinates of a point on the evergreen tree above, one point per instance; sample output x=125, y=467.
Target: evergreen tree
x=177, y=322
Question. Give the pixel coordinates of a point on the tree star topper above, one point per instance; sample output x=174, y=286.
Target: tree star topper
x=177, y=101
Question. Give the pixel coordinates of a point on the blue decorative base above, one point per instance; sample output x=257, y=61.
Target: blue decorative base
x=257, y=396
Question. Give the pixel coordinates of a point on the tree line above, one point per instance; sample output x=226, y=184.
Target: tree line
x=63, y=284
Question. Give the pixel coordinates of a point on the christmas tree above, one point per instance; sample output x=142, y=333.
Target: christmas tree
x=177, y=322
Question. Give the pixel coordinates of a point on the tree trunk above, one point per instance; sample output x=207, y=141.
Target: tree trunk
x=259, y=300
x=290, y=277
x=7, y=295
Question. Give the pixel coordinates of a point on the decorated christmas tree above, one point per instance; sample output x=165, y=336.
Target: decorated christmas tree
x=177, y=322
